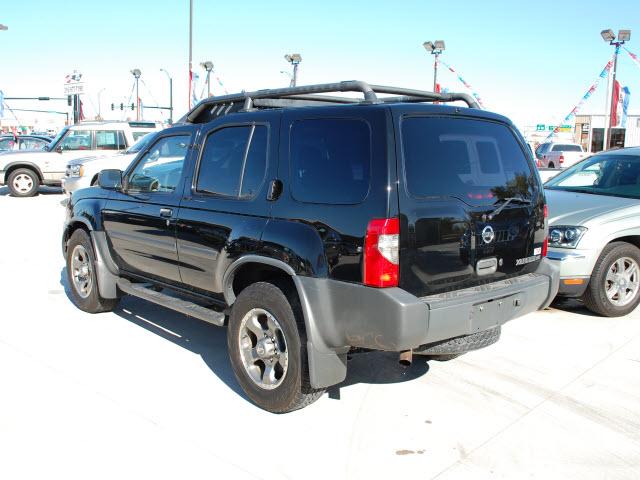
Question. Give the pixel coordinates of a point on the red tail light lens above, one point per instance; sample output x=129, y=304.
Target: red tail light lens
x=545, y=244
x=382, y=253
x=561, y=159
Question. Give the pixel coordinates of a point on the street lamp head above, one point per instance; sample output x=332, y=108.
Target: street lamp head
x=439, y=45
x=293, y=58
x=208, y=65
x=428, y=46
x=608, y=35
x=624, y=35
x=136, y=72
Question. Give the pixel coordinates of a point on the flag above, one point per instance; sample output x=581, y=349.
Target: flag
x=615, y=103
x=626, y=93
x=194, y=96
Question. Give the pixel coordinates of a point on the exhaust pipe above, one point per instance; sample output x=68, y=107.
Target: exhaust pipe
x=406, y=357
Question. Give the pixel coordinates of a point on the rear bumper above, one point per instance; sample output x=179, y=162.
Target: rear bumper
x=349, y=315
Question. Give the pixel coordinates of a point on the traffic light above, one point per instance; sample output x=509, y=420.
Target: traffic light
x=121, y=106
x=133, y=106
x=69, y=100
x=112, y=105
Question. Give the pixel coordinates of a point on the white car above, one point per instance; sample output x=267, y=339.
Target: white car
x=25, y=171
x=83, y=172
x=559, y=155
x=594, y=230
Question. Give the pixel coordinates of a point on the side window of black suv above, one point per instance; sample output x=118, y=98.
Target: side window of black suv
x=233, y=161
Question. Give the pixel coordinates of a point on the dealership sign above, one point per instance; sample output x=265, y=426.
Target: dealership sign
x=73, y=84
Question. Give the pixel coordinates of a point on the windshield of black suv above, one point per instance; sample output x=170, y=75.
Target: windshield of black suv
x=615, y=175
x=54, y=143
x=141, y=144
x=476, y=161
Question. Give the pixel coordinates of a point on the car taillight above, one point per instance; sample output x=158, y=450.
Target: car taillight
x=561, y=159
x=545, y=244
x=382, y=253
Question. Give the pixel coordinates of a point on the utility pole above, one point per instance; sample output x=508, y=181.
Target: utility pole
x=136, y=74
x=609, y=36
x=170, y=95
x=190, y=50
x=435, y=48
x=294, y=59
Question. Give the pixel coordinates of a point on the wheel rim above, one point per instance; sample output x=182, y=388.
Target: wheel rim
x=263, y=349
x=23, y=183
x=622, y=282
x=81, y=271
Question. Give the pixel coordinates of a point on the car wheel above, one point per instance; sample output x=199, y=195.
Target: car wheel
x=551, y=165
x=81, y=275
x=267, y=348
x=614, y=288
x=23, y=182
x=443, y=357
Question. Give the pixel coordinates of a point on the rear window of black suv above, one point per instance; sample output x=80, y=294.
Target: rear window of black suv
x=472, y=160
x=330, y=160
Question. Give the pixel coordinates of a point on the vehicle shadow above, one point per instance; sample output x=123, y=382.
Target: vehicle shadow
x=4, y=191
x=572, y=305
x=210, y=342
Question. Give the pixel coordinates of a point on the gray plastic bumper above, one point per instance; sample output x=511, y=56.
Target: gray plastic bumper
x=340, y=315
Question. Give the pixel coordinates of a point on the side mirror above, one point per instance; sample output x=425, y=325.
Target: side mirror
x=110, y=179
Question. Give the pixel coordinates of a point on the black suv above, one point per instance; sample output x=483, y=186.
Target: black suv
x=315, y=226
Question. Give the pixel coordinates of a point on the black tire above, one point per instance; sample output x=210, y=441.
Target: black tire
x=90, y=301
x=595, y=297
x=442, y=358
x=294, y=391
x=551, y=165
x=31, y=179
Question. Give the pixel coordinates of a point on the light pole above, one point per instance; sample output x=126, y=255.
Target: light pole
x=434, y=48
x=100, y=103
x=609, y=36
x=170, y=95
x=190, y=50
x=294, y=59
x=208, y=66
x=136, y=74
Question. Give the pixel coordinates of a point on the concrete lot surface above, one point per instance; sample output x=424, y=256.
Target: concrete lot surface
x=147, y=393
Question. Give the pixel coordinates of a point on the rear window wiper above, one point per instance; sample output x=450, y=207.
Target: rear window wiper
x=507, y=201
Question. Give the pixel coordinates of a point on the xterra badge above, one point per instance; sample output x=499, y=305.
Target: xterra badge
x=525, y=260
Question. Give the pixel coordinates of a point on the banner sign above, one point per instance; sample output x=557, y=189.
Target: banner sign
x=603, y=74
x=462, y=80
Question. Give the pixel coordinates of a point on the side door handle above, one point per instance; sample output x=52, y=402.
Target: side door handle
x=166, y=212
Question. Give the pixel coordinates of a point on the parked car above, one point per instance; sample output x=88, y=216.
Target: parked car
x=594, y=217
x=559, y=155
x=83, y=172
x=316, y=227
x=25, y=171
x=13, y=143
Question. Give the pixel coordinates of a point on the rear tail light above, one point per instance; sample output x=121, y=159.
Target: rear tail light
x=561, y=159
x=545, y=244
x=382, y=253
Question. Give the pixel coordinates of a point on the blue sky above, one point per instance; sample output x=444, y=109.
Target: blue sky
x=529, y=60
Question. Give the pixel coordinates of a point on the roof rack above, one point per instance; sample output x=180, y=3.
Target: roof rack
x=308, y=95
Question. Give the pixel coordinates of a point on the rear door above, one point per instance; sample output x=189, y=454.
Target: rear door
x=471, y=207
x=224, y=209
x=140, y=220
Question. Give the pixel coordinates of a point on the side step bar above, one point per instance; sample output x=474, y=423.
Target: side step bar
x=182, y=306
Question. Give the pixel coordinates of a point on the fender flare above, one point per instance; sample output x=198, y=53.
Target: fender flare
x=327, y=365
x=29, y=165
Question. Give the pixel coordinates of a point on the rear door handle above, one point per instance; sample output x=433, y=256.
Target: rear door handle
x=166, y=212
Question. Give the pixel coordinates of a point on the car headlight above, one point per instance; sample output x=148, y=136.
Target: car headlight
x=75, y=170
x=562, y=236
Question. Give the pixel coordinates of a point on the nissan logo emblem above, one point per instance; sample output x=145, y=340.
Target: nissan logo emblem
x=488, y=234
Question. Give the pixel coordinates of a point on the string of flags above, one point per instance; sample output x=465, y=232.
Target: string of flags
x=603, y=74
x=464, y=82
x=633, y=56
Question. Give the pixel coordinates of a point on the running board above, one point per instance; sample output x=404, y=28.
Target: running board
x=188, y=308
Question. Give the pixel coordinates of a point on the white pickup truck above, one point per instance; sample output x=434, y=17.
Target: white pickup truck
x=559, y=155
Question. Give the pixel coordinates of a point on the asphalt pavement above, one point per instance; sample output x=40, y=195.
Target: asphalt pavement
x=144, y=392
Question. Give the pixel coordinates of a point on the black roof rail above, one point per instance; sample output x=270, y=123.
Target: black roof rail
x=308, y=95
